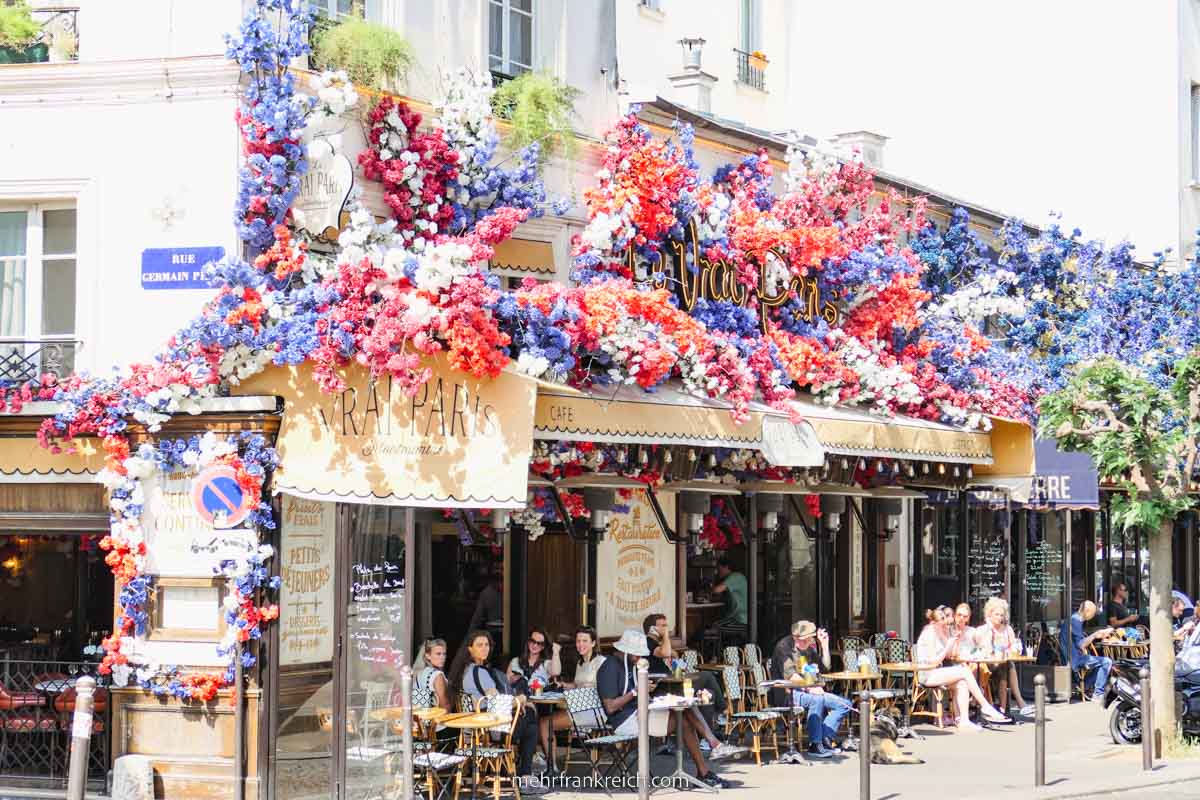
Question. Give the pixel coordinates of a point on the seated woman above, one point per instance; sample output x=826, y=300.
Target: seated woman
x=997, y=636
x=474, y=675
x=585, y=676
x=533, y=664
x=934, y=646
x=430, y=675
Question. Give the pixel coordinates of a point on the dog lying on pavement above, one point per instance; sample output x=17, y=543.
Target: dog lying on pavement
x=884, y=750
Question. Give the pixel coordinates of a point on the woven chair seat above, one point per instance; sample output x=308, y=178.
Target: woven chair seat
x=759, y=715
x=438, y=761
x=613, y=738
x=483, y=752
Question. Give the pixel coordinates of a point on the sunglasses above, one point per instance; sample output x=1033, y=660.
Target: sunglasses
x=538, y=642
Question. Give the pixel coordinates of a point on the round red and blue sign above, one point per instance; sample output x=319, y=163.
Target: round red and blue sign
x=218, y=498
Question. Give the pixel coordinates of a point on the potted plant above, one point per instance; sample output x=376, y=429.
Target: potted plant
x=19, y=35
x=372, y=55
x=758, y=60
x=541, y=109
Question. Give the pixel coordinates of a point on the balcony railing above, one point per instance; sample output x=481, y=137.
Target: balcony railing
x=28, y=359
x=36, y=716
x=751, y=69
x=57, y=42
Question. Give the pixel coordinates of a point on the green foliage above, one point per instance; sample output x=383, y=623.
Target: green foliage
x=541, y=109
x=1138, y=435
x=17, y=26
x=369, y=53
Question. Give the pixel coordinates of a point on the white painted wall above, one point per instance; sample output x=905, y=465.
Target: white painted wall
x=1188, y=76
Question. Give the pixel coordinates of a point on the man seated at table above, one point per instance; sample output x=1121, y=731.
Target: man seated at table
x=616, y=682
x=1118, y=614
x=1076, y=644
x=1182, y=617
x=658, y=640
x=825, y=709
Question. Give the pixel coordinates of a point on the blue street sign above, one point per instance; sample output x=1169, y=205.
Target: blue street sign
x=177, y=267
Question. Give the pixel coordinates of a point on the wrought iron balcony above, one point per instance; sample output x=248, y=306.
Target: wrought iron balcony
x=751, y=69
x=56, y=42
x=28, y=359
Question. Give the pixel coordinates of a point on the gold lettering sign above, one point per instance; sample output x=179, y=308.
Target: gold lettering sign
x=460, y=441
x=635, y=567
x=306, y=598
x=717, y=280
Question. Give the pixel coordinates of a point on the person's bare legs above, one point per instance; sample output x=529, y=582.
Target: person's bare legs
x=691, y=743
x=703, y=730
x=1014, y=687
x=945, y=676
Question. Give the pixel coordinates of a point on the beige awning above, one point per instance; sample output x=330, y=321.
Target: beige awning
x=23, y=460
x=460, y=442
x=524, y=255
x=670, y=416
x=853, y=432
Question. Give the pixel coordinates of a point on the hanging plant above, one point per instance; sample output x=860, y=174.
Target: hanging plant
x=372, y=55
x=541, y=109
x=18, y=28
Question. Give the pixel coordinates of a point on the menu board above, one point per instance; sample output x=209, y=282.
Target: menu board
x=1044, y=573
x=306, y=591
x=376, y=614
x=987, y=561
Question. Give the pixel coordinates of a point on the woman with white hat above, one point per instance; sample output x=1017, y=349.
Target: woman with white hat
x=617, y=684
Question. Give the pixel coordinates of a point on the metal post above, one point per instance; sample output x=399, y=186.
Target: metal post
x=1039, y=732
x=81, y=736
x=1147, y=721
x=239, y=725
x=643, y=712
x=864, y=747
x=406, y=742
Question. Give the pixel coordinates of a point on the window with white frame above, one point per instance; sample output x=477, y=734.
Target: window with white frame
x=37, y=290
x=510, y=36
x=341, y=9
x=750, y=21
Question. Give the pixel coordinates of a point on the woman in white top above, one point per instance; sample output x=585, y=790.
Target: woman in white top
x=431, y=676
x=934, y=646
x=585, y=676
x=996, y=637
x=532, y=664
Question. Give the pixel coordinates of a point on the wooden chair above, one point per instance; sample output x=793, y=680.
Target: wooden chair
x=738, y=719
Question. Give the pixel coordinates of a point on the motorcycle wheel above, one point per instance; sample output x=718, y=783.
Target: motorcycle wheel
x=1125, y=724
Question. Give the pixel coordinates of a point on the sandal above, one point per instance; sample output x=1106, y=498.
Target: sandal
x=995, y=717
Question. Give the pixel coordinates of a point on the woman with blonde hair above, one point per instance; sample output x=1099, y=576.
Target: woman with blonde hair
x=997, y=638
x=936, y=644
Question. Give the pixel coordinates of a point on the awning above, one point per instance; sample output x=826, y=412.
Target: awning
x=23, y=460
x=524, y=255
x=853, y=432
x=1066, y=481
x=460, y=442
x=670, y=416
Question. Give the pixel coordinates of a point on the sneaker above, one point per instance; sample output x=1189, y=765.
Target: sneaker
x=967, y=726
x=832, y=747
x=727, y=750
x=666, y=750
x=817, y=751
x=539, y=763
x=715, y=781
x=1028, y=710
x=705, y=746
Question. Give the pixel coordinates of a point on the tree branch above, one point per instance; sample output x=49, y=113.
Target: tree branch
x=1106, y=409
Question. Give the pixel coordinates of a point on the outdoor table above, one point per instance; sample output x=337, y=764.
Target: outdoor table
x=679, y=705
x=905, y=668
x=1120, y=648
x=792, y=756
x=476, y=723
x=551, y=700
x=49, y=689
x=994, y=665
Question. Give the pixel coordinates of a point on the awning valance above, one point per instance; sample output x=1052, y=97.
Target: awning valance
x=23, y=460
x=1066, y=481
x=524, y=255
x=670, y=416
x=853, y=432
x=459, y=442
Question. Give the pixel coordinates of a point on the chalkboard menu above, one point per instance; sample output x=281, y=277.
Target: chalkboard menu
x=1044, y=573
x=376, y=613
x=987, y=562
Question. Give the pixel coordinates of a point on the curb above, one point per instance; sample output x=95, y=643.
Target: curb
x=1081, y=789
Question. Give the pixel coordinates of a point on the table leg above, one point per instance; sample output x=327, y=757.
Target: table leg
x=552, y=756
x=682, y=777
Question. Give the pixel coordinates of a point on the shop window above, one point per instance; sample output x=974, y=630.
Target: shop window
x=37, y=291
x=510, y=36
x=1045, y=568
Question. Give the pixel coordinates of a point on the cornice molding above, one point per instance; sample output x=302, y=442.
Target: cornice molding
x=118, y=82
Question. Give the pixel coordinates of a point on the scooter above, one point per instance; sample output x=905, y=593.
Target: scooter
x=1124, y=695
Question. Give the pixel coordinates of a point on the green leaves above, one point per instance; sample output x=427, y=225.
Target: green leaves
x=541, y=109
x=371, y=54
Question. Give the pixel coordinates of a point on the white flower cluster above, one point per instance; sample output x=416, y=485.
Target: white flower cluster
x=881, y=387
x=713, y=222
x=174, y=398
x=624, y=344
x=236, y=568
x=531, y=521
x=335, y=96
x=465, y=114
x=241, y=362
x=589, y=461
x=534, y=366
x=600, y=233
x=992, y=294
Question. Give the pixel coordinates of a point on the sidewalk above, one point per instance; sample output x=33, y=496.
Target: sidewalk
x=1081, y=760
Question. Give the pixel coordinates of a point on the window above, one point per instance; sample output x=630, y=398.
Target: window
x=749, y=26
x=510, y=36
x=37, y=291
x=1195, y=133
x=337, y=9
x=653, y=5
x=751, y=63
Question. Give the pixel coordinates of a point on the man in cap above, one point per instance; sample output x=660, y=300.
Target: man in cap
x=616, y=682
x=810, y=645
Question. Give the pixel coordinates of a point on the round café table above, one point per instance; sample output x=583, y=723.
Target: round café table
x=476, y=723
x=551, y=700
x=792, y=756
x=678, y=706
x=904, y=669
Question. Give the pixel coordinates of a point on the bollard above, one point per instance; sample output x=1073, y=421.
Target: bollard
x=1147, y=721
x=864, y=747
x=1039, y=730
x=406, y=720
x=643, y=712
x=81, y=737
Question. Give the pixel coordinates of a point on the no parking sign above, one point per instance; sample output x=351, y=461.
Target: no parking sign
x=218, y=498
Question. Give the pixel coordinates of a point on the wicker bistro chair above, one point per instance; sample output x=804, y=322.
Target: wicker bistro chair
x=894, y=651
x=496, y=759
x=733, y=656
x=850, y=647
x=737, y=719
x=692, y=659
x=789, y=715
x=427, y=759
x=589, y=725
x=1063, y=652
